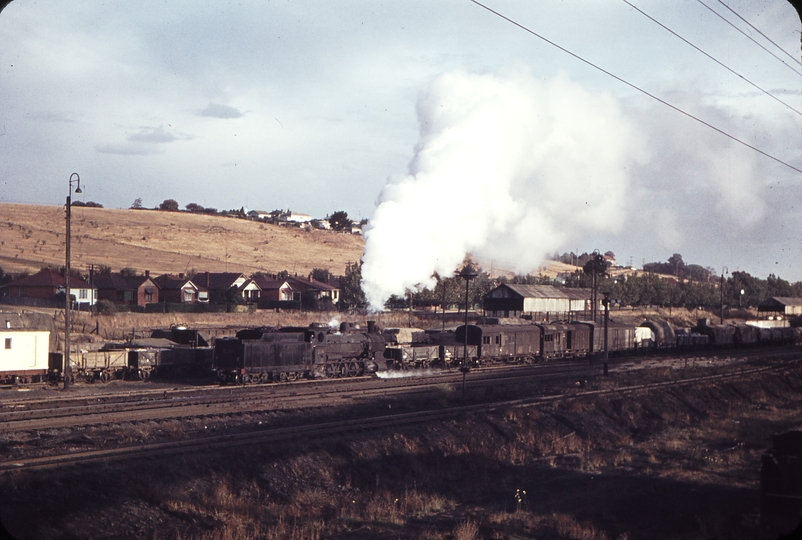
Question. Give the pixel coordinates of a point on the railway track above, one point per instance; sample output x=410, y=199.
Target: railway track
x=36, y=414
x=377, y=421
x=61, y=411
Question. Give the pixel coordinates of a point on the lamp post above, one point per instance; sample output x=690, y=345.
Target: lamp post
x=724, y=270
x=76, y=180
x=467, y=273
x=606, y=302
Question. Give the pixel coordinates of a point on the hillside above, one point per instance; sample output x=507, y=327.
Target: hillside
x=32, y=236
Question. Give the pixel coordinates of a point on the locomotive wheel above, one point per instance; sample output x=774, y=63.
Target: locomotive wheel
x=282, y=376
x=292, y=376
x=246, y=378
x=264, y=377
x=331, y=372
x=353, y=369
x=342, y=370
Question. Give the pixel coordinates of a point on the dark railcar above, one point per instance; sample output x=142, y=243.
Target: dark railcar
x=745, y=334
x=557, y=340
x=499, y=340
x=620, y=337
x=718, y=334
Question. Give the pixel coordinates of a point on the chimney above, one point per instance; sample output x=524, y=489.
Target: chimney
x=181, y=275
x=147, y=273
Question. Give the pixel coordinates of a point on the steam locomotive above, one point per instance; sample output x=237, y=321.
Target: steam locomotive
x=291, y=353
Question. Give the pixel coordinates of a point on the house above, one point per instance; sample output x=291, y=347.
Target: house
x=316, y=289
x=276, y=290
x=128, y=290
x=218, y=284
x=260, y=214
x=46, y=284
x=176, y=289
x=781, y=305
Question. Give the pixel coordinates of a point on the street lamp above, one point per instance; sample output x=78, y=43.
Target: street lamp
x=606, y=302
x=724, y=270
x=74, y=180
x=467, y=273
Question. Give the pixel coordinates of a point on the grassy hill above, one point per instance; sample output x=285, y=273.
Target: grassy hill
x=33, y=236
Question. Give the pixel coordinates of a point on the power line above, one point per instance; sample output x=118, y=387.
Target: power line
x=759, y=32
x=641, y=90
x=753, y=40
x=709, y=56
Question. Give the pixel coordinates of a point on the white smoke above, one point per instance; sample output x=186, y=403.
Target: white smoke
x=508, y=169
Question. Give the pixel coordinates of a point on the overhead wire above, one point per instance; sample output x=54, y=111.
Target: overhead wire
x=633, y=86
x=759, y=32
x=772, y=96
x=753, y=40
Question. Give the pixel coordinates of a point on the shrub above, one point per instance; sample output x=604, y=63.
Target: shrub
x=105, y=307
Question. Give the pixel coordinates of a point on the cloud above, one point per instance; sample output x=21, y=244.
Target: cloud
x=216, y=110
x=129, y=149
x=153, y=135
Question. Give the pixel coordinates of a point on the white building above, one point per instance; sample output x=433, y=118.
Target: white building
x=23, y=353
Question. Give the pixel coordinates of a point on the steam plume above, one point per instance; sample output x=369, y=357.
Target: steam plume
x=508, y=169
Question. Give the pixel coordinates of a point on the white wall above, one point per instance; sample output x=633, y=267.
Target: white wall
x=23, y=350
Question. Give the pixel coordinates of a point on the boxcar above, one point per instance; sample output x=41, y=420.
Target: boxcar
x=620, y=337
x=501, y=340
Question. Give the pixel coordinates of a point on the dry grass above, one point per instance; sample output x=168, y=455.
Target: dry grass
x=32, y=236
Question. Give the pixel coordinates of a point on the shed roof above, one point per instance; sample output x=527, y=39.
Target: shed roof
x=531, y=291
x=779, y=302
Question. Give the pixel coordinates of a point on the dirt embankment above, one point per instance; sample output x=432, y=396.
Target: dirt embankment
x=678, y=463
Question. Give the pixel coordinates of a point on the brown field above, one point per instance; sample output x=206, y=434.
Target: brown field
x=32, y=236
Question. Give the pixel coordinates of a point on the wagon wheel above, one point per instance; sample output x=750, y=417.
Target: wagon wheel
x=104, y=377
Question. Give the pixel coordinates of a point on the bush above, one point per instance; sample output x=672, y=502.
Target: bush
x=105, y=307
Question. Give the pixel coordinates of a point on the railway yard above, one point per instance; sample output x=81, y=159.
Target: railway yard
x=667, y=444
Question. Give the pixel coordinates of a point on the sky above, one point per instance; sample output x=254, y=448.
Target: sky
x=364, y=106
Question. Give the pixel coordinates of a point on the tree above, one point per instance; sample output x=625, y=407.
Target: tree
x=128, y=271
x=170, y=205
x=351, y=294
x=321, y=274
x=339, y=221
x=194, y=208
x=137, y=205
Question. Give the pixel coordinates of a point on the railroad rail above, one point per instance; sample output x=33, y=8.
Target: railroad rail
x=373, y=422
